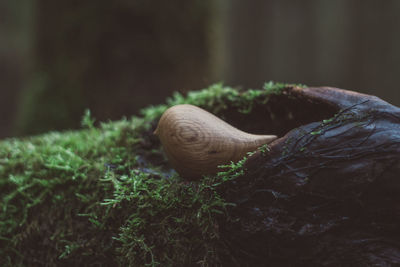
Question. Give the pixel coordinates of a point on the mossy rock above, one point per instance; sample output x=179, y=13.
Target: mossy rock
x=106, y=196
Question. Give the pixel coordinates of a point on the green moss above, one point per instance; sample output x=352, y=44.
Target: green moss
x=104, y=195
x=264, y=149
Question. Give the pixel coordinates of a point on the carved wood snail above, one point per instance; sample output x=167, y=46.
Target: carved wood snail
x=196, y=142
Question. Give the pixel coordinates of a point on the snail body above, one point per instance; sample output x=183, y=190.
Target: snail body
x=196, y=142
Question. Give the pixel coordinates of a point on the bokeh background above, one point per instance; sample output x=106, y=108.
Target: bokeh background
x=58, y=58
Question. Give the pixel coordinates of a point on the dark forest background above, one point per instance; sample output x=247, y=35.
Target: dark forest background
x=114, y=57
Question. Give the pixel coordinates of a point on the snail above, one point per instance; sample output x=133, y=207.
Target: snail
x=196, y=142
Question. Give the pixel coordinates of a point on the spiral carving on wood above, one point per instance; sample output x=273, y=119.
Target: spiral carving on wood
x=196, y=142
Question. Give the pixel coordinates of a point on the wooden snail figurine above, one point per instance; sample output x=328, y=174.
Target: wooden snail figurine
x=196, y=142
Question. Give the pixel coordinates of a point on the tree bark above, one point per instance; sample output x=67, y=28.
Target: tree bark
x=327, y=192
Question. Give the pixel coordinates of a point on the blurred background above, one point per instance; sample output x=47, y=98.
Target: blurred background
x=58, y=58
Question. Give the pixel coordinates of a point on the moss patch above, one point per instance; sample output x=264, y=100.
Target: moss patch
x=105, y=195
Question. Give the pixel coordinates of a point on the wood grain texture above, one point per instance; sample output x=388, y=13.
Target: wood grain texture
x=196, y=142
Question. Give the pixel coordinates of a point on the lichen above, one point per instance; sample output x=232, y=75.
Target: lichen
x=105, y=195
